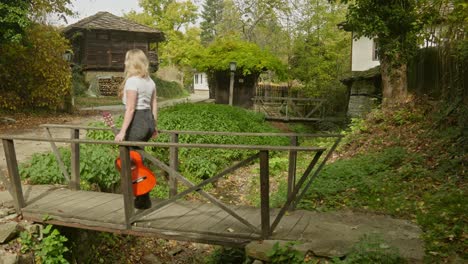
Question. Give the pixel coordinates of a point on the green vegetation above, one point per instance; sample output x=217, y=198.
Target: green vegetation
x=169, y=90
x=408, y=163
x=48, y=246
x=226, y=255
x=97, y=161
x=285, y=254
x=250, y=58
x=34, y=75
x=372, y=249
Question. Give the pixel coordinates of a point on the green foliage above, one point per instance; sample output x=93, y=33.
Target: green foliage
x=321, y=52
x=404, y=165
x=285, y=254
x=211, y=15
x=171, y=17
x=201, y=164
x=204, y=163
x=372, y=249
x=78, y=81
x=35, y=76
x=48, y=246
x=168, y=89
x=97, y=167
x=249, y=57
x=14, y=20
x=396, y=25
x=222, y=255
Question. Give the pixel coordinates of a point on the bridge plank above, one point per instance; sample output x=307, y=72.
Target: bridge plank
x=42, y=196
x=54, y=198
x=208, y=211
x=163, y=217
x=297, y=232
x=288, y=223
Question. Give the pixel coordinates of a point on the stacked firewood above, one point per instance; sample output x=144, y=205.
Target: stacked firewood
x=109, y=86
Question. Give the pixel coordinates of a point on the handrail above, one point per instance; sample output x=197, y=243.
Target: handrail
x=163, y=144
x=295, y=189
x=217, y=133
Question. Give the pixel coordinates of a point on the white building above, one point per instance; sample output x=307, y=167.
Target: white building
x=364, y=54
x=200, y=81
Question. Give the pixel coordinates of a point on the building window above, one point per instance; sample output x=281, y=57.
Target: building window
x=201, y=78
x=375, y=50
x=196, y=78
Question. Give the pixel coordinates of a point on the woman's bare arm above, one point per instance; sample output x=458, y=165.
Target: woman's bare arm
x=129, y=112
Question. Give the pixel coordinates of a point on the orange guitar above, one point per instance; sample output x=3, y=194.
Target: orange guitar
x=143, y=179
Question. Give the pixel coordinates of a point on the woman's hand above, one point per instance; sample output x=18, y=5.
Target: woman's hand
x=120, y=136
x=155, y=134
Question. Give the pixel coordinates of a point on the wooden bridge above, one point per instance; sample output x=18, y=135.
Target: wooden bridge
x=174, y=218
x=290, y=108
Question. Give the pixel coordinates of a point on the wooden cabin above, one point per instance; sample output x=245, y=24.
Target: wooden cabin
x=99, y=44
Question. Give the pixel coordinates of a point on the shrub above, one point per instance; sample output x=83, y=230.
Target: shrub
x=168, y=89
x=96, y=167
x=34, y=75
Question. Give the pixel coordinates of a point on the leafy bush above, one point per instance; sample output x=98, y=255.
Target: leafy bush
x=223, y=255
x=204, y=163
x=78, y=81
x=96, y=167
x=285, y=254
x=48, y=249
x=35, y=75
x=168, y=89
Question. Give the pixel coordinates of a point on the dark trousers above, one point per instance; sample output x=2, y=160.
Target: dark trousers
x=141, y=129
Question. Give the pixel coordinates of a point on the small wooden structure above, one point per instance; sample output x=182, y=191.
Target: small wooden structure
x=100, y=41
x=244, y=87
x=212, y=222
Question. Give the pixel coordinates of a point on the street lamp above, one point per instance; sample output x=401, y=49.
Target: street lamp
x=69, y=98
x=232, y=67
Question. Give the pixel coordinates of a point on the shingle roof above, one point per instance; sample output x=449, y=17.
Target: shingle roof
x=108, y=21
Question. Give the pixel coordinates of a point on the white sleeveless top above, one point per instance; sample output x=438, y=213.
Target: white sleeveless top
x=144, y=88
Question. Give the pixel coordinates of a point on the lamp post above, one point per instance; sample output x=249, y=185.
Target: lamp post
x=232, y=67
x=69, y=98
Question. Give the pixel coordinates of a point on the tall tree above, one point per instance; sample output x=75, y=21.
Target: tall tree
x=398, y=27
x=211, y=15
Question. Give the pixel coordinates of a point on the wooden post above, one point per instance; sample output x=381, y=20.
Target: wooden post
x=74, y=183
x=13, y=172
x=174, y=164
x=231, y=89
x=265, y=193
x=292, y=167
x=126, y=179
x=57, y=156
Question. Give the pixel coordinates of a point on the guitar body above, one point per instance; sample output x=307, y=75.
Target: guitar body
x=143, y=179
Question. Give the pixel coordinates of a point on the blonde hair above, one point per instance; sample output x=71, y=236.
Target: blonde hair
x=136, y=64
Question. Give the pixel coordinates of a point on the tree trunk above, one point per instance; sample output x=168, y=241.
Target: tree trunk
x=394, y=83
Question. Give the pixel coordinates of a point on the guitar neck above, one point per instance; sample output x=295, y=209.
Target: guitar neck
x=115, y=130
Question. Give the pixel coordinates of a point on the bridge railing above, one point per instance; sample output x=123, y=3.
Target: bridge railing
x=296, y=187
x=290, y=108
